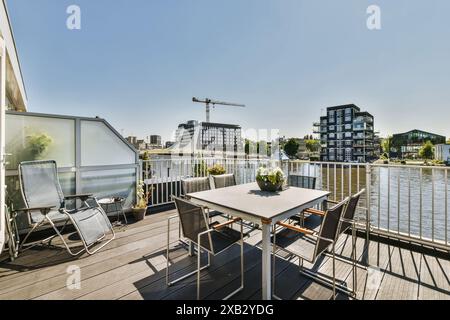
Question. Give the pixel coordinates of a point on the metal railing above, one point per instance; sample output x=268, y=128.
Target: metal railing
x=402, y=201
x=162, y=177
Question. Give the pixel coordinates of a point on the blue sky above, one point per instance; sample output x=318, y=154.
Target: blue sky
x=138, y=63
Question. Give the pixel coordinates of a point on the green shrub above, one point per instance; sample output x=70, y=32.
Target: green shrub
x=216, y=170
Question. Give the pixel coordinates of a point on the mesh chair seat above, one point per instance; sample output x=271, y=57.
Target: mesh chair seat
x=293, y=242
x=221, y=239
x=54, y=215
x=214, y=213
x=92, y=224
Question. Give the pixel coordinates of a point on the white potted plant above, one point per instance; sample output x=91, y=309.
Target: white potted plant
x=140, y=208
x=270, y=179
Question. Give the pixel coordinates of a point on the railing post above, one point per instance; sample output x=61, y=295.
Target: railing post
x=368, y=213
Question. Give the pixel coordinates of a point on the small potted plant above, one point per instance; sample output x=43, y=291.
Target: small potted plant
x=270, y=179
x=216, y=170
x=140, y=208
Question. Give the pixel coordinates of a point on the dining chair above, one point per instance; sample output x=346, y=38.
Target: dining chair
x=349, y=221
x=214, y=239
x=309, y=245
x=224, y=181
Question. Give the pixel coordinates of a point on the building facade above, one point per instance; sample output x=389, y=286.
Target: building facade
x=407, y=145
x=155, y=141
x=346, y=135
x=210, y=139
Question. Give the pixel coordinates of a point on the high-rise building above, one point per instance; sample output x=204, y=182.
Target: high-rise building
x=347, y=135
x=155, y=141
x=213, y=139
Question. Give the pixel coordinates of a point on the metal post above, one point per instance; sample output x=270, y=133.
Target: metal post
x=368, y=210
x=266, y=261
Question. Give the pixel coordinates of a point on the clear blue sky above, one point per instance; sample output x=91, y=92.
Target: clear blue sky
x=138, y=63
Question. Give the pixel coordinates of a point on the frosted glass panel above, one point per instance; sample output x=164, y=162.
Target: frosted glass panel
x=100, y=146
x=39, y=138
x=111, y=183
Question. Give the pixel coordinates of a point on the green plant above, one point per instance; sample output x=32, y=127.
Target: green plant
x=142, y=196
x=38, y=144
x=291, y=148
x=313, y=145
x=216, y=170
x=427, y=152
x=273, y=175
x=200, y=169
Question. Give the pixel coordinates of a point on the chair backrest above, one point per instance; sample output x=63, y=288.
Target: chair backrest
x=302, y=181
x=330, y=226
x=350, y=211
x=193, y=221
x=192, y=185
x=40, y=185
x=224, y=181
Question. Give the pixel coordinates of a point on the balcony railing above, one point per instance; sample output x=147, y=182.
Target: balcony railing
x=407, y=202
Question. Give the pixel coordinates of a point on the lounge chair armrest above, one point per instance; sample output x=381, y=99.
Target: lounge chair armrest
x=43, y=210
x=222, y=225
x=297, y=229
x=82, y=197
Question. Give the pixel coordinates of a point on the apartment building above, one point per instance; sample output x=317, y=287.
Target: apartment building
x=346, y=134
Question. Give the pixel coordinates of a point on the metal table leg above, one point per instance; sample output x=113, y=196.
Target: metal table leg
x=266, y=261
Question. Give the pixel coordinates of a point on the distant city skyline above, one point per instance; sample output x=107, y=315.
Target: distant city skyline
x=139, y=65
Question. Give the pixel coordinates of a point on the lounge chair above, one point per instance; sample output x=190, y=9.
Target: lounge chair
x=213, y=238
x=308, y=244
x=46, y=204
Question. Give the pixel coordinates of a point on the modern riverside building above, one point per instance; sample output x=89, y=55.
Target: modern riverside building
x=346, y=134
x=407, y=145
x=210, y=139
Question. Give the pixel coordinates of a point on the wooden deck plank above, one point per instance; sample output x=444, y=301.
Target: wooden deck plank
x=50, y=279
x=401, y=276
x=435, y=279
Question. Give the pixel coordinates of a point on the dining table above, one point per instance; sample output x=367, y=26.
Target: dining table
x=264, y=208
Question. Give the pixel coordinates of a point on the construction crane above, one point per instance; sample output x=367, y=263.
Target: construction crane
x=213, y=103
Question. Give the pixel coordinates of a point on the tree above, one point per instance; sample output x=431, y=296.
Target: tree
x=386, y=145
x=312, y=145
x=291, y=147
x=427, y=151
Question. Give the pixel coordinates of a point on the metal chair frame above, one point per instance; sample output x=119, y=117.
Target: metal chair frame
x=208, y=251
x=314, y=276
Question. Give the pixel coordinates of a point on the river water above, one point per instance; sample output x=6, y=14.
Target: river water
x=402, y=198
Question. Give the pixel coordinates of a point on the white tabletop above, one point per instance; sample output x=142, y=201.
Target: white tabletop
x=250, y=200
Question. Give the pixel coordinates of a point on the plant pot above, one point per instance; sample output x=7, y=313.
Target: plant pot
x=269, y=187
x=139, y=213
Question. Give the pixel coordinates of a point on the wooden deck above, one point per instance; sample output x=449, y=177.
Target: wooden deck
x=133, y=267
